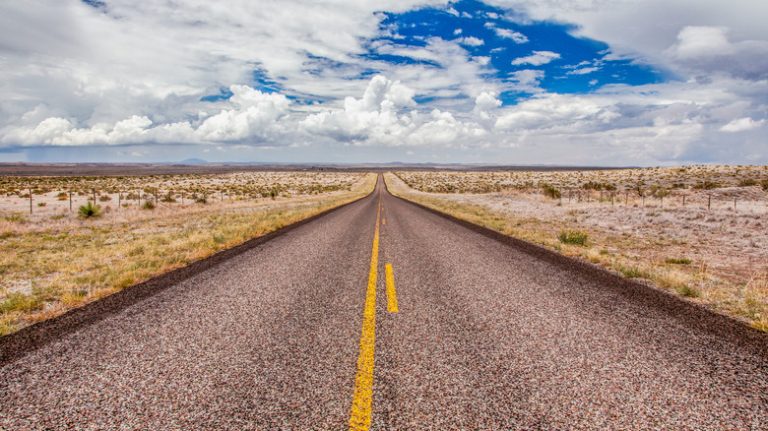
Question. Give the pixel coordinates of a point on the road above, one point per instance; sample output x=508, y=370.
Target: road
x=301, y=333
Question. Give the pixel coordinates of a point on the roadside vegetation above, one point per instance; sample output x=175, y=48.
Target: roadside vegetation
x=698, y=232
x=55, y=261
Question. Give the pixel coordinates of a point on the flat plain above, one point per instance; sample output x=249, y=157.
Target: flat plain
x=697, y=231
x=55, y=256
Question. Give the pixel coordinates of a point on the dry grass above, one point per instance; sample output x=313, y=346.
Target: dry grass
x=49, y=264
x=717, y=256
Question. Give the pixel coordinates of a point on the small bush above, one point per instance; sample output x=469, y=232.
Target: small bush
x=688, y=291
x=597, y=186
x=574, y=237
x=41, y=204
x=148, y=205
x=89, y=210
x=15, y=218
x=748, y=182
x=764, y=183
x=632, y=272
x=678, y=261
x=168, y=198
x=707, y=185
x=104, y=198
x=20, y=302
x=62, y=196
x=550, y=191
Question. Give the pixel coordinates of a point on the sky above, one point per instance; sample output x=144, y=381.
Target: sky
x=560, y=82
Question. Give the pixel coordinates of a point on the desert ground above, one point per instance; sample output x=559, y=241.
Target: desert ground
x=56, y=255
x=698, y=231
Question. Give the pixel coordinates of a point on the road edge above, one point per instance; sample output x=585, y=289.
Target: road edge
x=701, y=318
x=30, y=338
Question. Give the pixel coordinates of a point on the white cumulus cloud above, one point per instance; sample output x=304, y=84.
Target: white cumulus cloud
x=538, y=58
x=742, y=125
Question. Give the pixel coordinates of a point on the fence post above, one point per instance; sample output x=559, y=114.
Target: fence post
x=119, y=199
x=709, y=202
x=70, y=201
x=30, y=201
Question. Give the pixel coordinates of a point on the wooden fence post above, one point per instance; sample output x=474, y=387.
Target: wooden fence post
x=30, y=201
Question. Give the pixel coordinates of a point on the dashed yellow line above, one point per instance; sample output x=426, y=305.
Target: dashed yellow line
x=362, y=400
x=391, y=292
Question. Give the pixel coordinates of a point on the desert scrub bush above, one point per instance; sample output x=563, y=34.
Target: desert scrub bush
x=168, y=198
x=62, y=196
x=748, y=182
x=89, y=210
x=632, y=272
x=20, y=302
x=764, y=184
x=14, y=218
x=598, y=186
x=707, y=185
x=573, y=237
x=148, y=205
x=677, y=261
x=104, y=198
x=550, y=191
x=688, y=291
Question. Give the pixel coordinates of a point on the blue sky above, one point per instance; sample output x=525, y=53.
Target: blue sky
x=644, y=82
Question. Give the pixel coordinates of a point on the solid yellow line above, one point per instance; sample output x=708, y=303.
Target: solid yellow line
x=391, y=292
x=362, y=400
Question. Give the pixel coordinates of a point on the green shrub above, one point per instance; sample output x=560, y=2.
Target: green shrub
x=707, y=185
x=168, y=198
x=632, y=272
x=574, y=237
x=688, y=291
x=17, y=301
x=15, y=218
x=678, y=261
x=550, y=191
x=89, y=210
x=148, y=205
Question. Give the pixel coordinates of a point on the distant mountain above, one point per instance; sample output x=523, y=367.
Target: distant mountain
x=193, y=162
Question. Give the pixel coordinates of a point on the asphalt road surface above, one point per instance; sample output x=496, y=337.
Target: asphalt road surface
x=313, y=330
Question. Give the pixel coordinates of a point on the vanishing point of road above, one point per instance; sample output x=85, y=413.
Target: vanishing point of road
x=382, y=315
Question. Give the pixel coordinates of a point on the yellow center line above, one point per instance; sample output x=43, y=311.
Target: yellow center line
x=362, y=400
x=391, y=292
